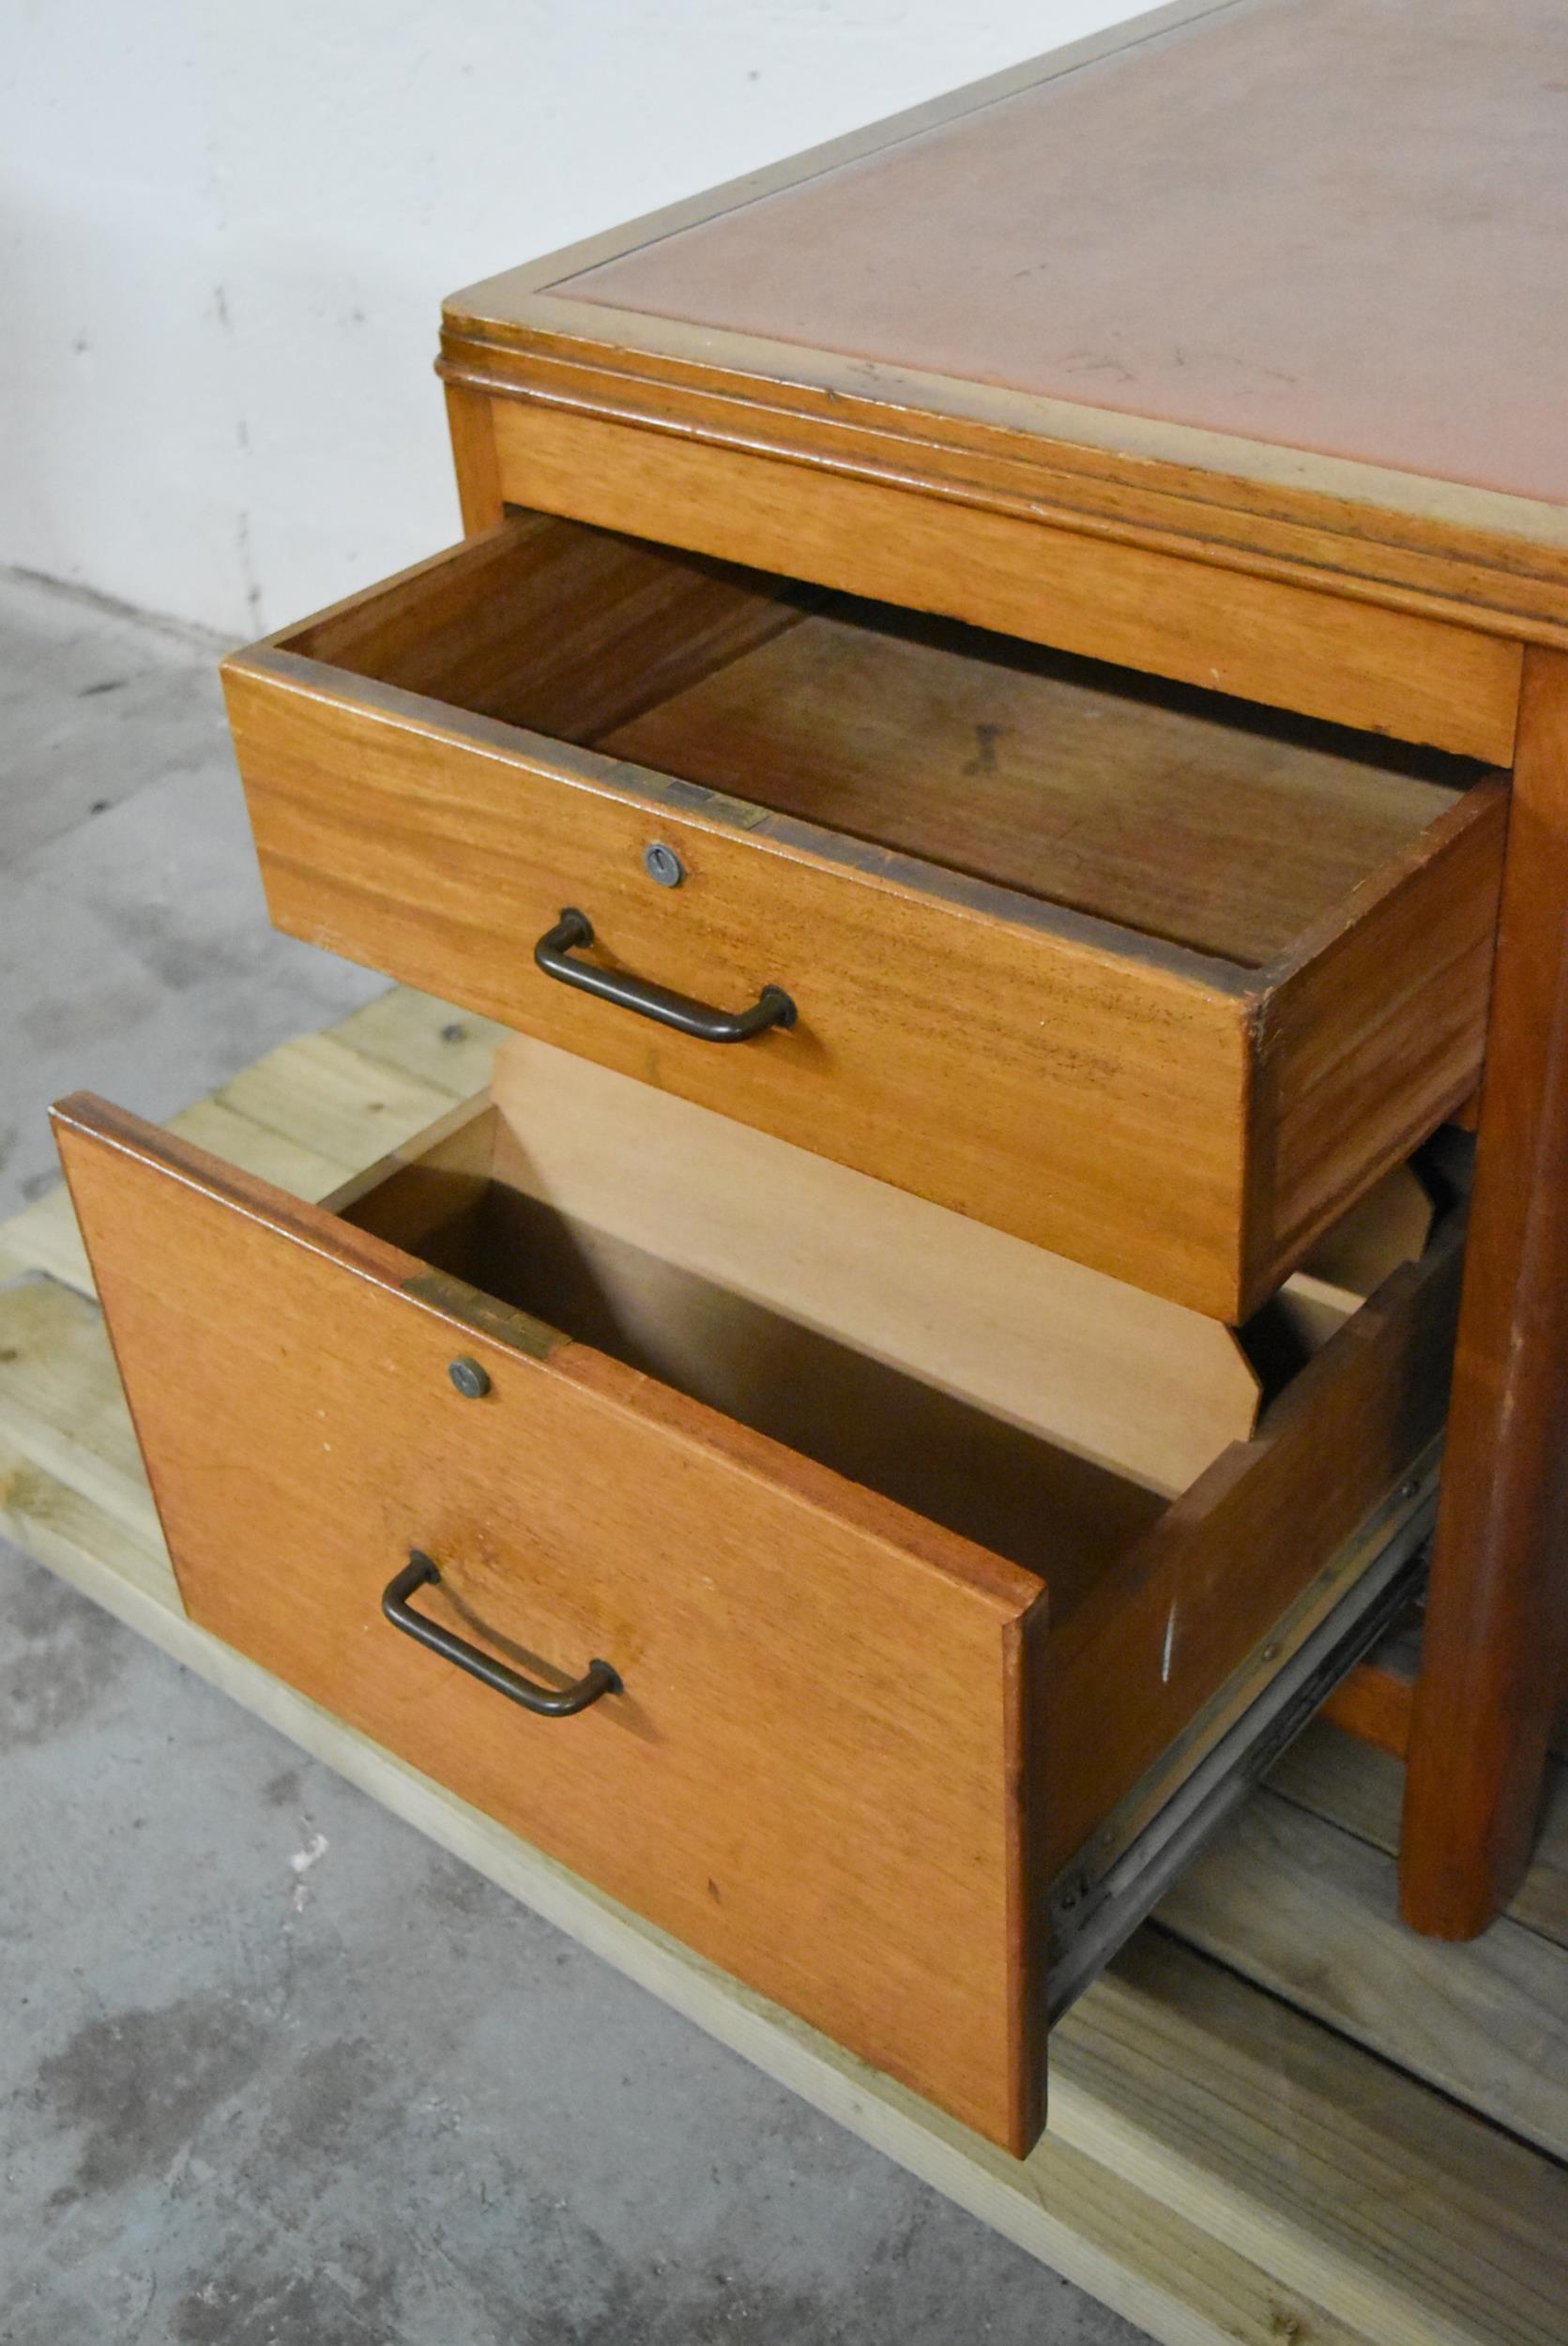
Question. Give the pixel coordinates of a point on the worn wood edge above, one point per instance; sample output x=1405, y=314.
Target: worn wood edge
x=1432, y=567
x=1291, y=1207
x=1159, y=2268
x=1298, y=640
x=1482, y=806
x=1478, y=557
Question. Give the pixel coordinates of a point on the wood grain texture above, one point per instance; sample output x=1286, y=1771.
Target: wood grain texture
x=1495, y=1653
x=1374, y=1704
x=69, y=1418
x=1176, y=814
x=874, y=1874
x=1159, y=1635
x=1119, y=1378
x=1408, y=2214
x=396, y=827
x=1396, y=977
x=473, y=437
x=1344, y=1780
x=565, y=631
x=1263, y=639
x=422, y=1035
x=442, y=858
x=1310, y=1913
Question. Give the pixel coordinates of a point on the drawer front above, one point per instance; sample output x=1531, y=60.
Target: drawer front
x=1017, y=1072
x=1183, y=1122
x=814, y=1770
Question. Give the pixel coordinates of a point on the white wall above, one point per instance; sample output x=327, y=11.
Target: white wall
x=225, y=231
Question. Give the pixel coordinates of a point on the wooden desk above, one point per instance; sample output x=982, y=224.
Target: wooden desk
x=930, y=1359
x=1230, y=346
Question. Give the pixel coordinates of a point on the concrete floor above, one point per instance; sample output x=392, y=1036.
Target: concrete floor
x=277, y=2072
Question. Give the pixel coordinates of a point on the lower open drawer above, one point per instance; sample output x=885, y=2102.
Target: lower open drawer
x=809, y=1568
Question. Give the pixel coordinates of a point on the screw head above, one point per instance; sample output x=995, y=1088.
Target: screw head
x=471, y=1379
x=662, y=865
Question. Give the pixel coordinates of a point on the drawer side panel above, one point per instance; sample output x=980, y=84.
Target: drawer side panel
x=1404, y=984
x=1161, y=1634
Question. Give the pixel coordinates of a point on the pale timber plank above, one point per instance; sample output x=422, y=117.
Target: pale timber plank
x=44, y=1237
x=409, y=1063
x=1338, y=1778
x=1398, y=2209
x=1310, y=1913
x=1130, y=1380
x=61, y=1403
x=59, y=1528
x=324, y=1096
x=70, y=1534
x=304, y=1172
x=432, y=1040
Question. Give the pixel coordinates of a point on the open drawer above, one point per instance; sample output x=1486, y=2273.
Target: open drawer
x=885, y=1669
x=1156, y=980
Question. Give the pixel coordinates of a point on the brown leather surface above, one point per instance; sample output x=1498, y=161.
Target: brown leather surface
x=1336, y=225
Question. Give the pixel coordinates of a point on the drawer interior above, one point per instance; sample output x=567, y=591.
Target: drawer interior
x=679, y=1243
x=1182, y=814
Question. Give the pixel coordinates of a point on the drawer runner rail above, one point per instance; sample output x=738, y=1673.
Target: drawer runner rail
x=1101, y=1897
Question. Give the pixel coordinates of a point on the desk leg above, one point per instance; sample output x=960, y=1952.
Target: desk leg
x=1496, y=1626
x=470, y=419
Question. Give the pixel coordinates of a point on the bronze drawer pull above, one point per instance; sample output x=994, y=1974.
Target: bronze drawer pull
x=547, y=1702
x=772, y=1007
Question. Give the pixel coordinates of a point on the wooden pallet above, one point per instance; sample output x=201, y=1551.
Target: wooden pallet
x=1282, y=2120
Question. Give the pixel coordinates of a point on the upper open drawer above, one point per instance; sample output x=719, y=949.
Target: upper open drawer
x=1154, y=979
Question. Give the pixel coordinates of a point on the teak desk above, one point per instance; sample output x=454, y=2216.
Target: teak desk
x=970, y=737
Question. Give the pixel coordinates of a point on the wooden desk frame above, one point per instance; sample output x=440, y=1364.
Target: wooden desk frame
x=1424, y=609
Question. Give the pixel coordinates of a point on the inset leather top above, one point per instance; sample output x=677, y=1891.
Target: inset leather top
x=1341, y=225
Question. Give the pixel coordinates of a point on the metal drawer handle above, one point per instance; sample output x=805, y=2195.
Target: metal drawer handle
x=547, y=1702
x=772, y=1007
